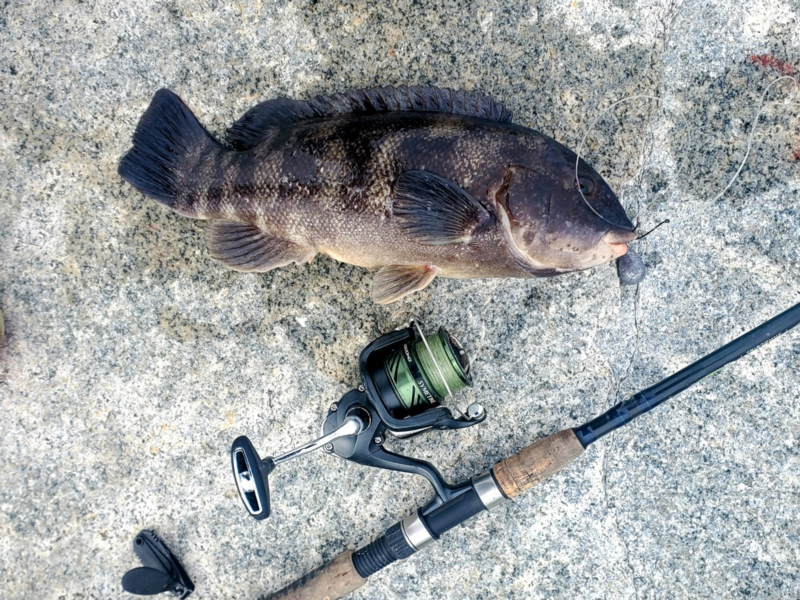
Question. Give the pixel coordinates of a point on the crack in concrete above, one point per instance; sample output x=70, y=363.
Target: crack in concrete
x=611, y=444
x=666, y=22
x=613, y=516
x=632, y=360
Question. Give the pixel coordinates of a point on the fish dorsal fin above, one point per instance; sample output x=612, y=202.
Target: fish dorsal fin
x=392, y=282
x=434, y=211
x=258, y=123
x=244, y=247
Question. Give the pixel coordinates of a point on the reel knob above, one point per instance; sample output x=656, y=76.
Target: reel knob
x=250, y=473
x=476, y=412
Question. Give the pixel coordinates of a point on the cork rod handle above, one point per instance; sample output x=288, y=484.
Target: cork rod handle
x=514, y=475
x=537, y=462
x=330, y=582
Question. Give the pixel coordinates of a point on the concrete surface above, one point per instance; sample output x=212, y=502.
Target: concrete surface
x=132, y=360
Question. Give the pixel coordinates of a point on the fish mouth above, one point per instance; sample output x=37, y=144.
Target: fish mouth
x=618, y=250
x=617, y=239
x=617, y=235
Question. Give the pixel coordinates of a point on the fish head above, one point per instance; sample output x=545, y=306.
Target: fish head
x=557, y=224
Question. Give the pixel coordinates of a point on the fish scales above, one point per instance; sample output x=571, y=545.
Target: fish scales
x=285, y=188
x=412, y=193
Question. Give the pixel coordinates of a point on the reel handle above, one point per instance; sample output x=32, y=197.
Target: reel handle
x=250, y=471
x=251, y=475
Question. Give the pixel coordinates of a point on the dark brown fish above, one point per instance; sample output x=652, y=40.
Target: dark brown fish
x=412, y=181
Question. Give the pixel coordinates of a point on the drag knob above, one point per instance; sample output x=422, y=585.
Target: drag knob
x=250, y=473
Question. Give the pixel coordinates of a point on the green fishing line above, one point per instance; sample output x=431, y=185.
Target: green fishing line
x=446, y=356
x=415, y=377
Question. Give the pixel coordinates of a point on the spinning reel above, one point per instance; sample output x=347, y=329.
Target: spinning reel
x=405, y=378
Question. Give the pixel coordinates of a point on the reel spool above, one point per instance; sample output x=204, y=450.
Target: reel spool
x=423, y=372
x=405, y=378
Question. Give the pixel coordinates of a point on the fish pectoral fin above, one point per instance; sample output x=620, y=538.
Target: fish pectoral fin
x=244, y=247
x=435, y=211
x=395, y=281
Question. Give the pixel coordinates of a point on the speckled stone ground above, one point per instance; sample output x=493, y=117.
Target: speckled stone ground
x=132, y=360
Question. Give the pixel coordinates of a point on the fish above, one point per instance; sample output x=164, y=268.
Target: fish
x=412, y=182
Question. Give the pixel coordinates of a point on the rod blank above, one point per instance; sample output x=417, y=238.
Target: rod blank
x=646, y=400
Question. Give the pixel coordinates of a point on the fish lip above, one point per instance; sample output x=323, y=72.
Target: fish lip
x=618, y=250
x=618, y=235
x=617, y=240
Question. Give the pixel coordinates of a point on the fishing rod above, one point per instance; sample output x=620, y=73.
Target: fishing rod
x=395, y=370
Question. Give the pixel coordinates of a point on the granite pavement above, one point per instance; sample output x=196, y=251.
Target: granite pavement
x=131, y=359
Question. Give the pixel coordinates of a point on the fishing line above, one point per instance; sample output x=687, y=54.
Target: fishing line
x=439, y=358
x=426, y=370
x=583, y=141
x=753, y=130
x=763, y=105
x=644, y=235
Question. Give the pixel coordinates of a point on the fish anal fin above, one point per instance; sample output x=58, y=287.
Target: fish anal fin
x=433, y=210
x=258, y=123
x=392, y=282
x=244, y=247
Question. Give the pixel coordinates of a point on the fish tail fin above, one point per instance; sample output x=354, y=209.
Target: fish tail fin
x=167, y=144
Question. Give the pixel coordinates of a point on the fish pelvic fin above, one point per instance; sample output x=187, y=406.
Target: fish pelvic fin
x=392, y=282
x=167, y=144
x=244, y=247
x=434, y=211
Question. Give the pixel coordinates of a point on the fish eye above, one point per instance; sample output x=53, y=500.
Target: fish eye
x=586, y=185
